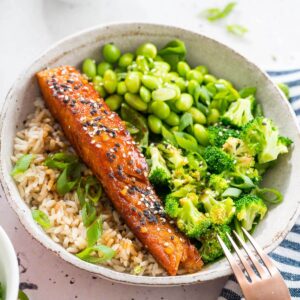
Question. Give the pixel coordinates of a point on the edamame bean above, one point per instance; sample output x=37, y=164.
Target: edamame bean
x=225, y=82
x=121, y=88
x=185, y=102
x=133, y=82
x=183, y=68
x=197, y=115
x=151, y=82
x=213, y=116
x=114, y=102
x=191, y=86
x=164, y=94
x=102, y=67
x=209, y=78
x=175, y=128
x=89, y=68
x=136, y=102
x=174, y=87
x=173, y=119
x=111, y=53
x=98, y=80
x=145, y=94
x=147, y=49
x=202, y=69
x=171, y=77
x=160, y=109
x=125, y=60
x=181, y=83
x=201, y=134
x=155, y=124
x=110, y=81
x=194, y=75
x=100, y=90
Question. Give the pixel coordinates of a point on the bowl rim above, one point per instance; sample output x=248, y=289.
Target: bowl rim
x=12, y=282
x=106, y=272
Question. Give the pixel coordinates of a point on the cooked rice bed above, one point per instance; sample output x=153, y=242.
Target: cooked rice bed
x=42, y=136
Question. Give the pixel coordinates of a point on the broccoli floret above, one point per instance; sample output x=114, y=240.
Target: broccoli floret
x=182, y=177
x=262, y=137
x=171, y=206
x=172, y=155
x=220, y=212
x=211, y=248
x=159, y=174
x=189, y=219
x=218, y=183
x=218, y=135
x=217, y=160
x=239, y=112
x=250, y=209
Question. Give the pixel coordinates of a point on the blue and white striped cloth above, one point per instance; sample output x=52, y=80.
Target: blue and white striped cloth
x=287, y=254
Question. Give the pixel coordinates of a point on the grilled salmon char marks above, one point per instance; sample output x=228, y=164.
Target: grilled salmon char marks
x=100, y=138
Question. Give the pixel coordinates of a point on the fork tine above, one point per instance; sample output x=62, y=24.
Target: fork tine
x=262, y=273
x=246, y=265
x=264, y=257
x=241, y=278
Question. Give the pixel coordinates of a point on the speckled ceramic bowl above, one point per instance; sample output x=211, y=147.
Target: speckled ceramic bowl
x=9, y=270
x=221, y=61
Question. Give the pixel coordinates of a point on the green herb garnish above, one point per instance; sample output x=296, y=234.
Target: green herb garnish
x=88, y=214
x=22, y=296
x=94, y=232
x=22, y=164
x=213, y=14
x=41, y=218
x=236, y=29
x=186, y=120
x=60, y=160
x=104, y=254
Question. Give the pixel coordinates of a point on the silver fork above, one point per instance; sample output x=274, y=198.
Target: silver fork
x=269, y=285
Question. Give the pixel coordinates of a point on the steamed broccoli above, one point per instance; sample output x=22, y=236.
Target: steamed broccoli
x=217, y=160
x=218, y=135
x=189, y=219
x=250, y=209
x=262, y=137
x=220, y=212
x=172, y=206
x=218, y=183
x=159, y=174
x=239, y=112
x=172, y=155
x=211, y=248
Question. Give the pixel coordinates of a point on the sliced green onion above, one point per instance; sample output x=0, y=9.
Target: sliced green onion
x=232, y=192
x=137, y=270
x=21, y=296
x=104, y=254
x=131, y=128
x=88, y=214
x=213, y=14
x=22, y=164
x=93, y=189
x=185, y=121
x=201, y=93
x=241, y=181
x=238, y=229
x=269, y=195
x=94, y=232
x=41, y=218
x=168, y=136
x=60, y=160
x=186, y=141
x=237, y=29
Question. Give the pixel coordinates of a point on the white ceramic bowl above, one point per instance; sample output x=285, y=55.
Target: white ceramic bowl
x=9, y=270
x=221, y=61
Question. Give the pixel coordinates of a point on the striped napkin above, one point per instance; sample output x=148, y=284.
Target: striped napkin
x=287, y=254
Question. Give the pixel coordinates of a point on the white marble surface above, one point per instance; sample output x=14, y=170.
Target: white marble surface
x=28, y=27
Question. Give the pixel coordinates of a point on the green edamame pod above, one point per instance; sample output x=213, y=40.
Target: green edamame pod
x=121, y=88
x=102, y=67
x=183, y=68
x=111, y=53
x=89, y=68
x=173, y=119
x=213, y=116
x=151, y=82
x=160, y=109
x=197, y=115
x=136, y=102
x=185, y=102
x=147, y=49
x=155, y=124
x=125, y=60
x=114, y=102
x=201, y=134
x=110, y=81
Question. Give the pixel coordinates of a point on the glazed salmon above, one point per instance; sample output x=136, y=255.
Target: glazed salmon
x=101, y=140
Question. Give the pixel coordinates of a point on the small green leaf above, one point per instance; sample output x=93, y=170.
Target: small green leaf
x=213, y=14
x=41, y=218
x=94, y=232
x=88, y=214
x=22, y=164
x=186, y=141
x=21, y=296
x=237, y=29
x=168, y=136
x=185, y=121
x=104, y=254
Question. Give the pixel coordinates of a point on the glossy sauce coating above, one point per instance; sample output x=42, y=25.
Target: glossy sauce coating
x=100, y=138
